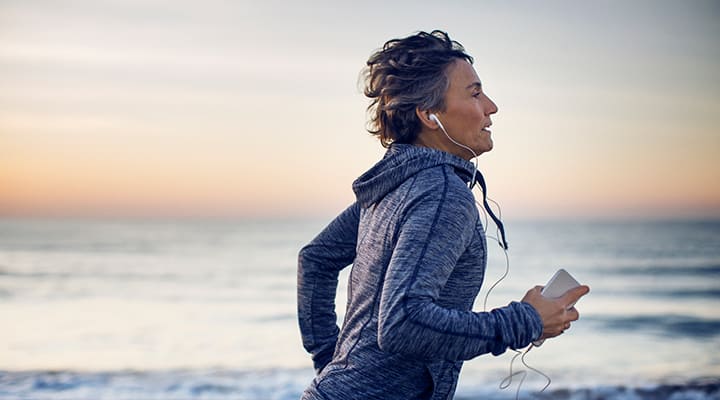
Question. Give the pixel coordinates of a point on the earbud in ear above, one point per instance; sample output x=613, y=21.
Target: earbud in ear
x=435, y=118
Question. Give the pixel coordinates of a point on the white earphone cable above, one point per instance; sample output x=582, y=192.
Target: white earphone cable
x=475, y=161
x=505, y=383
x=495, y=238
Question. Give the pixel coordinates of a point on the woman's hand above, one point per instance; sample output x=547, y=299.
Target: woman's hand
x=555, y=313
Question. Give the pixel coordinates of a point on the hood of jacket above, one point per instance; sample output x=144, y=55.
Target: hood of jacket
x=402, y=161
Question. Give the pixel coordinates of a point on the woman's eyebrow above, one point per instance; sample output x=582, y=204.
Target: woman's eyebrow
x=475, y=85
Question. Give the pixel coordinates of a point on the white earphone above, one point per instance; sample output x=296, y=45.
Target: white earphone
x=435, y=118
x=505, y=383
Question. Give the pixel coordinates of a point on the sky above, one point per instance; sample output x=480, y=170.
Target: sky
x=181, y=108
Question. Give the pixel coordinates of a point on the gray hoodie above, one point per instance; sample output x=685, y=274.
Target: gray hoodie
x=418, y=251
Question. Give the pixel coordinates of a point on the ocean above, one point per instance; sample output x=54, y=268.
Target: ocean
x=205, y=309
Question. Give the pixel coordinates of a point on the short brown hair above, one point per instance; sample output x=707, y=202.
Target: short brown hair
x=406, y=74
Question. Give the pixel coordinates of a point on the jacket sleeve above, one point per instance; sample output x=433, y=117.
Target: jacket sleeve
x=319, y=264
x=435, y=232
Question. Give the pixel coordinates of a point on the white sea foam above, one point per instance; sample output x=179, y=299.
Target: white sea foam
x=280, y=385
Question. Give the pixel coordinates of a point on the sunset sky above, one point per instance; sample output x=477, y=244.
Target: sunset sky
x=238, y=108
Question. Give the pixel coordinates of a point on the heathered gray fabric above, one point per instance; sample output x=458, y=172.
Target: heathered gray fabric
x=418, y=251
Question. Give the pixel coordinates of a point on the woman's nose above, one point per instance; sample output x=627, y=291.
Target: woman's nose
x=491, y=108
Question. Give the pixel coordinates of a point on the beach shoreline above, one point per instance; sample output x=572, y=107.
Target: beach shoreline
x=287, y=385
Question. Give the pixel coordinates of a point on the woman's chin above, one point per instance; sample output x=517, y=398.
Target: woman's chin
x=484, y=147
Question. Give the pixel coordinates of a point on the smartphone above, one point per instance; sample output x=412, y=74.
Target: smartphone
x=560, y=283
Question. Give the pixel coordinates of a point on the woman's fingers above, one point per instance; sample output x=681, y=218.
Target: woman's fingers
x=574, y=294
x=557, y=314
x=572, y=314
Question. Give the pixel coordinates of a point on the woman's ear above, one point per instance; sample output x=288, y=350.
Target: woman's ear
x=424, y=117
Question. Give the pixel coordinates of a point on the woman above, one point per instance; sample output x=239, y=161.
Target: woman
x=416, y=242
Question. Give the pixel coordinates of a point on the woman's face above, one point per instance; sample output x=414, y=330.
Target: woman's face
x=466, y=117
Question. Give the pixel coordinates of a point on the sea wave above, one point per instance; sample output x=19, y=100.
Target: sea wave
x=139, y=385
x=665, y=325
x=280, y=385
x=668, y=271
x=700, y=389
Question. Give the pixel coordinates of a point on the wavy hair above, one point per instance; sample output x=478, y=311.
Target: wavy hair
x=406, y=74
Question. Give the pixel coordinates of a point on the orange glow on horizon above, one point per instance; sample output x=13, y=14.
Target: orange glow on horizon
x=203, y=114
